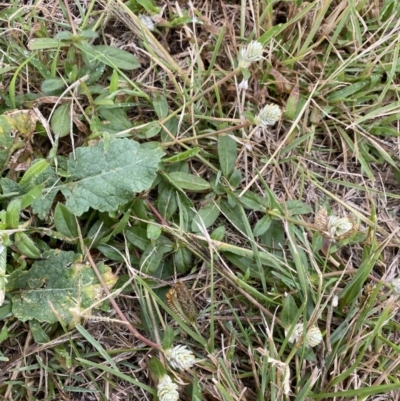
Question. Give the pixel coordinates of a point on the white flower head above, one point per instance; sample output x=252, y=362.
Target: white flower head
x=334, y=227
x=313, y=335
x=396, y=286
x=339, y=226
x=180, y=357
x=147, y=21
x=250, y=53
x=268, y=115
x=167, y=390
x=297, y=333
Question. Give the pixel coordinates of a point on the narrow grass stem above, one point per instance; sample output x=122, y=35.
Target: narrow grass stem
x=207, y=135
x=202, y=94
x=117, y=308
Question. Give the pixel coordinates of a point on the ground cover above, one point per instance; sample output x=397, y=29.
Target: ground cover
x=200, y=200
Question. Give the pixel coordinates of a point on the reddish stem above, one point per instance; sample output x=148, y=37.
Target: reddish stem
x=116, y=307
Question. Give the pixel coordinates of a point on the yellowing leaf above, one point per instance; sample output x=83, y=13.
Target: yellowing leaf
x=57, y=289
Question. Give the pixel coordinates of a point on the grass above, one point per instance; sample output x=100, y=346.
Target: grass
x=244, y=215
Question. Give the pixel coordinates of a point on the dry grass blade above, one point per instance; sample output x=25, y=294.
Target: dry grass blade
x=133, y=22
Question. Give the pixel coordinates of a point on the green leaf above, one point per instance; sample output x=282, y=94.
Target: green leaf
x=53, y=84
x=61, y=120
x=56, y=288
x=188, y=181
x=252, y=201
x=13, y=211
x=33, y=173
x=289, y=311
x=153, y=232
x=105, y=180
x=117, y=120
x=182, y=259
x=149, y=6
x=235, y=178
x=39, y=335
x=160, y=106
x=88, y=34
x=168, y=338
x=292, y=103
x=186, y=213
x=154, y=254
x=113, y=82
x=232, y=215
x=353, y=289
x=41, y=205
x=138, y=237
x=187, y=154
x=297, y=207
x=344, y=94
x=26, y=246
x=166, y=202
x=31, y=196
x=65, y=222
x=110, y=56
x=10, y=186
x=227, y=153
x=157, y=368
x=218, y=234
x=205, y=217
x=196, y=390
x=262, y=225
x=45, y=43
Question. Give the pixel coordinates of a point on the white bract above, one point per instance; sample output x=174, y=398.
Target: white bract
x=338, y=226
x=250, y=53
x=244, y=85
x=148, y=22
x=296, y=333
x=313, y=335
x=268, y=115
x=180, y=357
x=167, y=390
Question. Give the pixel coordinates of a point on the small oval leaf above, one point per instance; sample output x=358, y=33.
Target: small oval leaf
x=61, y=120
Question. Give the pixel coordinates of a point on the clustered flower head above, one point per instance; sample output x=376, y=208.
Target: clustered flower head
x=268, y=115
x=313, y=335
x=334, y=227
x=339, y=226
x=147, y=21
x=180, y=357
x=167, y=390
x=250, y=53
